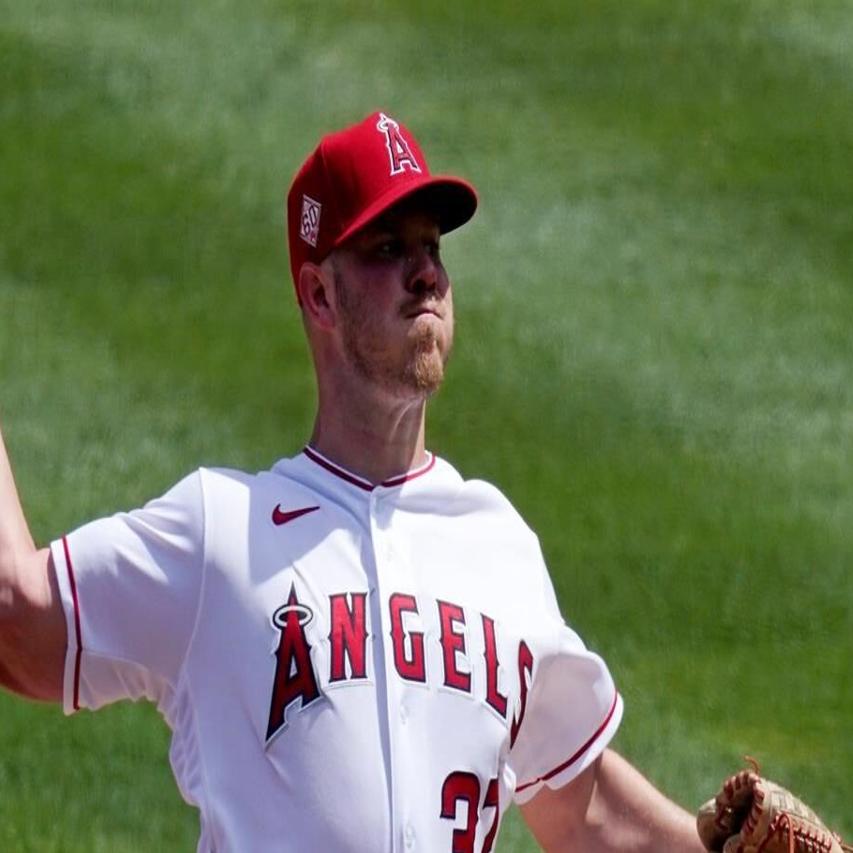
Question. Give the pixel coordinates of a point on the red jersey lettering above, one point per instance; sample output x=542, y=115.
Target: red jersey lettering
x=294, y=675
x=410, y=665
x=348, y=636
x=493, y=696
x=453, y=643
x=525, y=669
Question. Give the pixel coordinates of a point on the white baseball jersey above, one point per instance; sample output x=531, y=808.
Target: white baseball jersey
x=344, y=667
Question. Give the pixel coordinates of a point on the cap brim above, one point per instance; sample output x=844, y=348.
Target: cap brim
x=453, y=200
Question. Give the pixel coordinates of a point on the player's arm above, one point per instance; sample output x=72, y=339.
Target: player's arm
x=32, y=623
x=610, y=807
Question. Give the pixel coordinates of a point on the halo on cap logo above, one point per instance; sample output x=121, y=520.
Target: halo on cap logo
x=399, y=153
x=309, y=221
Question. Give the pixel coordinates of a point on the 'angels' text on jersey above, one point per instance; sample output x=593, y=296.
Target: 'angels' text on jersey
x=344, y=654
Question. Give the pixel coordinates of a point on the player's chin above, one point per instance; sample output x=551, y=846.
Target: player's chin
x=426, y=379
x=426, y=369
x=429, y=345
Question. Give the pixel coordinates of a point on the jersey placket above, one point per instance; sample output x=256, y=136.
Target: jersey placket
x=394, y=576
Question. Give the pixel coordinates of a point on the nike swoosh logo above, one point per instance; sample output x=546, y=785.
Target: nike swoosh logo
x=280, y=516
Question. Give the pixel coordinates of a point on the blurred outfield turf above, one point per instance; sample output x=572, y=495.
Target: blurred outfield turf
x=655, y=349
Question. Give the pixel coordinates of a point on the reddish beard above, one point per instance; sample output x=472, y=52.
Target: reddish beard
x=426, y=366
x=418, y=369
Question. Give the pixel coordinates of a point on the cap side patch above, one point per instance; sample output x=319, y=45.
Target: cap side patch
x=309, y=220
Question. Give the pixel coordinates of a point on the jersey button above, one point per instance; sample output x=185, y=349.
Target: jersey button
x=404, y=714
x=409, y=835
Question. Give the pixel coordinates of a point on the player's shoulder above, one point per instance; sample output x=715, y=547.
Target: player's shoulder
x=476, y=490
x=488, y=501
x=226, y=483
x=226, y=478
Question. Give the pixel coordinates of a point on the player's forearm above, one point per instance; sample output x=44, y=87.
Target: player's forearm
x=31, y=618
x=16, y=543
x=627, y=813
x=15, y=535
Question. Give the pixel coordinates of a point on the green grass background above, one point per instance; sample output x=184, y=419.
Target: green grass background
x=654, y=358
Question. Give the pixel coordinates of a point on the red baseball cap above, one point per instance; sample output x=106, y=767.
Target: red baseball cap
x=354, y=176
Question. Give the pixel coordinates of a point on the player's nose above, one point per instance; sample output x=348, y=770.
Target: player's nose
x=425, y=273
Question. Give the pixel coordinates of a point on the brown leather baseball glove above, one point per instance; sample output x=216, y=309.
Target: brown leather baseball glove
x=753, y=815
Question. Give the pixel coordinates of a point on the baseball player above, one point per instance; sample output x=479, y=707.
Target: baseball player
x=356, y=650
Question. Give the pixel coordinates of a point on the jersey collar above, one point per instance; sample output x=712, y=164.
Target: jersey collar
x=333, y=468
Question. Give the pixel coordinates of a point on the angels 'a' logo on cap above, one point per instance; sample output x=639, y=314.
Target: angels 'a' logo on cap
x=309, y=221
x=399, y=153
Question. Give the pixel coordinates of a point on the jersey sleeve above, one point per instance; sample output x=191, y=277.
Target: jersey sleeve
x=573, y=708
x=130, y=586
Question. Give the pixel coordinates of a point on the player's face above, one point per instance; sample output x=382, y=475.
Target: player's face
x=395, y=303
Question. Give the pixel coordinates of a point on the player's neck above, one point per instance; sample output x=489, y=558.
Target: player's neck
x=374, y=441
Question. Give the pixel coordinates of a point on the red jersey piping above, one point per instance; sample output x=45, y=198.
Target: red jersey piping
x=366, y=485
x=73, y=585
x=579, y=754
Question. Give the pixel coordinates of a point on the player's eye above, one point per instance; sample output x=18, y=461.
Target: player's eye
x=391, y=248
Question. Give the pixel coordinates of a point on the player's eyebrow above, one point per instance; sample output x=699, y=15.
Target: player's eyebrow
x=391, y=226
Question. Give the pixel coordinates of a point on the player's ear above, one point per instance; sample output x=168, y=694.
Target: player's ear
x=315, y=292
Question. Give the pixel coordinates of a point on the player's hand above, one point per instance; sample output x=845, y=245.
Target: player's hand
x=751, y=814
